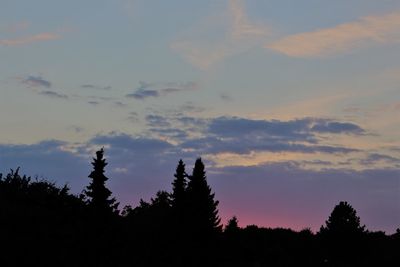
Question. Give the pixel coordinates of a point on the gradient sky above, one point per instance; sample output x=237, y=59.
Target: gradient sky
x=293, y=105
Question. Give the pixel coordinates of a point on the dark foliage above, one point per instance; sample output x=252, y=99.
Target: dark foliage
x=39, y=222
x=202, y=208
x=42, y=224
x=232, y=226
x=345, y=241
x=343, y=222
x=179, y=188
x=96, y=191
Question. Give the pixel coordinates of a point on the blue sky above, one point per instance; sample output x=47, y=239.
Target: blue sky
x=298, y=102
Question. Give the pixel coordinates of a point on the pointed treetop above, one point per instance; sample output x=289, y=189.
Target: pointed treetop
x=179, y=185
x=203, y=207
x=98, y=194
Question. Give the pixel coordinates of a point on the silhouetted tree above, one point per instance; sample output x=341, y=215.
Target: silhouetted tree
x=43, y=225
x=162, y=201
x=179, y=187
x=343, y=221
x=202, y=208
x=343, y=237
x=21, y=191
x=38, y=220
x=96, y=191
x=150, y=215
x=232, y=226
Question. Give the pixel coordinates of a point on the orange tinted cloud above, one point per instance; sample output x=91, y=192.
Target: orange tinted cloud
x=239, y=34
x=341, y=38
x=241, y=27
x=30, y=39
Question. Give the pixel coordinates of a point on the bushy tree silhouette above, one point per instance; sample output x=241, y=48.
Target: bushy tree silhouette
x=38, y=220
x=343, y=237
x=22, y=191
x=232, y=226
x=96, y=191
x=202, y=208
x=343, y=221
x=150, y=215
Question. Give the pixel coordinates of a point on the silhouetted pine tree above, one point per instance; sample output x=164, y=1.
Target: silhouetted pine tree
x=232, y=226
x=343, y=221
x=343, y=237
x=202, y=208
x=162, y=201
x=179, y=187
x=98, y=193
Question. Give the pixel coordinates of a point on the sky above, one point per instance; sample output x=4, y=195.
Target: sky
x=292, y=105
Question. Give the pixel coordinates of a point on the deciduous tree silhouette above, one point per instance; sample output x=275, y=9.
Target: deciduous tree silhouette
x=202, y=208
x=37, y=221
x=96, y=191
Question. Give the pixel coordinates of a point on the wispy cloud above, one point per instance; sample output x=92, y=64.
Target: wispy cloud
x=146, y=90
x=242, y=136
x=341, y=38
x=53, y=94
x=157, y=121
x=241, y=26
x=36, y=81
x=97, y=87
x=337, y=127
x=237, y=33
x=93, y=103
x=119, y=104
x=143, y=94
x=226, y=97
x=41, y=86
x=379, y=158
x=76, y=129
x=40, y=37
x=133, y=117
x=298, y=129
x=16, y=27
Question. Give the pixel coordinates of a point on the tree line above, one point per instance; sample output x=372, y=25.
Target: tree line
x=42, y=224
